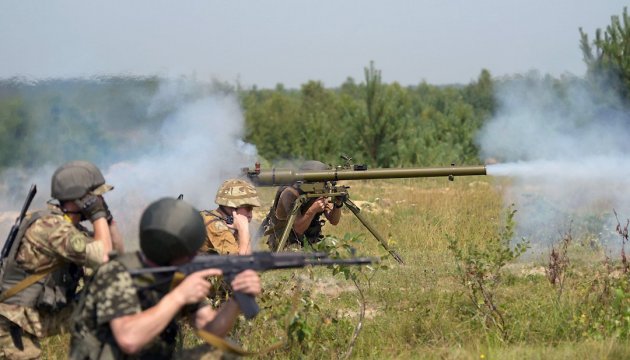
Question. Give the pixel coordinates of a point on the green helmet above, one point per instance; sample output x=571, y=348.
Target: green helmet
x=237, y=192
x=75, y=179
x=314, y=165
x=170, y=229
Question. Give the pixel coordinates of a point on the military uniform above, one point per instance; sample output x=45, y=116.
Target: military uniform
x=50, y=241
x=279, y=215
x=220, y=238
x=169, y=230
x=111, y=294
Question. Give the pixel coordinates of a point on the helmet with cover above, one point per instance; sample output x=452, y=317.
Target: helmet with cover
x=170, y=229
x=75, y=179
x=236, y=193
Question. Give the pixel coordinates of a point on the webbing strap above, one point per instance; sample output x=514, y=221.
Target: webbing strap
x=30, y=280
x=230, y=347
x=221, y=343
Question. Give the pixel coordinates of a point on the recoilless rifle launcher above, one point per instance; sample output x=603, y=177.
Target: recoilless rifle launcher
x=323, y=183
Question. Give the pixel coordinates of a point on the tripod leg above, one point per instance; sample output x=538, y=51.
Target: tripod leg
x=357, y=212
x=289, y=227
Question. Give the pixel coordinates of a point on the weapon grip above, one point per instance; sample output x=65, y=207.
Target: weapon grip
x=247, y=303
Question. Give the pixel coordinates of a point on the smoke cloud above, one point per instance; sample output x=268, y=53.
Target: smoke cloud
x=564, y=153
x=196, y=147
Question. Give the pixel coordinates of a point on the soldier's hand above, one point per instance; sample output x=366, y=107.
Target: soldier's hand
x=195, y=287
x=108, y=214
x=318, y=205
x=92, y=207
x=247, y=282
x=241, y=221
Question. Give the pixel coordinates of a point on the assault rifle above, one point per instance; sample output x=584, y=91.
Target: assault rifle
x=14, y=229
x=231, y=265
x=316, y=184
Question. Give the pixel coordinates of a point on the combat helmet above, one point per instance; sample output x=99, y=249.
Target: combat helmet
x=75, y=179
x=170, y=229
x=237, y=192
x=314, y=165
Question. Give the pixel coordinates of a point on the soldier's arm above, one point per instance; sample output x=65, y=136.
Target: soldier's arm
x=117, y=240
x=102, y=235
x=302, y=221
x=241, y=224
x=133, y=332
x=221, y=321
x=332, y=213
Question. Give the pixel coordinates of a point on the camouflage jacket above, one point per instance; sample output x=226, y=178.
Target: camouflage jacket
x=113, y=293
x=219, y=237
x=50, y=241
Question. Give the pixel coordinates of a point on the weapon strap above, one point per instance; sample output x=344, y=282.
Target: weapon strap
x=219, y=342
x=30, y=280
x=230, y=347
x=214, y=219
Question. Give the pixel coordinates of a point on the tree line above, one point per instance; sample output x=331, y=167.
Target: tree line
x=381, y=124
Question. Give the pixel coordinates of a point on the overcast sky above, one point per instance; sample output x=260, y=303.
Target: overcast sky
x=292, y=41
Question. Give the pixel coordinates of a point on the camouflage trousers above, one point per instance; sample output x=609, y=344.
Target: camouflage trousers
x=49, y=325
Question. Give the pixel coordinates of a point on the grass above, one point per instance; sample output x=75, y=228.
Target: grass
x=422, y=310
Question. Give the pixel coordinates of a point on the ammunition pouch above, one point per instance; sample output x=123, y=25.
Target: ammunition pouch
x=59, y=289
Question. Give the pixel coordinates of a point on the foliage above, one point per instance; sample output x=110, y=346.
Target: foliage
x=607, y=57
x=480, y=270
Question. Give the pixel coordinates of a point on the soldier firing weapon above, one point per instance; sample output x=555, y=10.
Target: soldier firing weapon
x=316, y=184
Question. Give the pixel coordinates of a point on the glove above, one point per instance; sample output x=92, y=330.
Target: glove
x=92, y=207
x=108, y=215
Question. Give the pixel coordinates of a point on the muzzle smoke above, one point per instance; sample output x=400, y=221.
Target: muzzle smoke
x=564, y=153
x=198, y=145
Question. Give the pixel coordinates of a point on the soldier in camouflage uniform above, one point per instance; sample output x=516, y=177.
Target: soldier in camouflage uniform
x=228, y=226
x=307, y=227
x=125, y=317
x=53, y=240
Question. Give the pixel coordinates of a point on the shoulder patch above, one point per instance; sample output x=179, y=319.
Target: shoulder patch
x=220, y=226
x=77, y=242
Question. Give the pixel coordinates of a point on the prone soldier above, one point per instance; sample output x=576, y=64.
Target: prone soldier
x=45, y=262
x=120, y=316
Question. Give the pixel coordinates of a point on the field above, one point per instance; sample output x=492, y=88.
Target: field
x=463, y=293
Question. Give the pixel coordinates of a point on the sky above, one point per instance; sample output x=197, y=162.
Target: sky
x=264, y=43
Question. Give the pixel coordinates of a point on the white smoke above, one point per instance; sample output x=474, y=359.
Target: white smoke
x=565, y=152
x=197, y=147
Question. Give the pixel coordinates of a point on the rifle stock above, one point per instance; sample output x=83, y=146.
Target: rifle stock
x=231, y=265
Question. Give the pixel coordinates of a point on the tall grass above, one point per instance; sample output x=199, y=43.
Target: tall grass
x=421, y=309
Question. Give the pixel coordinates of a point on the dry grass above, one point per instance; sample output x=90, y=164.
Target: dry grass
x=420, y=310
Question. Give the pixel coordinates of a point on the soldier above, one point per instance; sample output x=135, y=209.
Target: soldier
x=308, y=223
x=123, y=317
x=228, y=225
x=52, y=243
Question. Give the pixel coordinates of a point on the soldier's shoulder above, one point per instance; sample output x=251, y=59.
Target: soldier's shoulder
x=219, y=225
x=49, y=219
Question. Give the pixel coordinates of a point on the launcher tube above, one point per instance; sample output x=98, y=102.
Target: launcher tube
x=278, y=177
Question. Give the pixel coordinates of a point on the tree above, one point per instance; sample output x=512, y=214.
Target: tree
x=608, y=57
